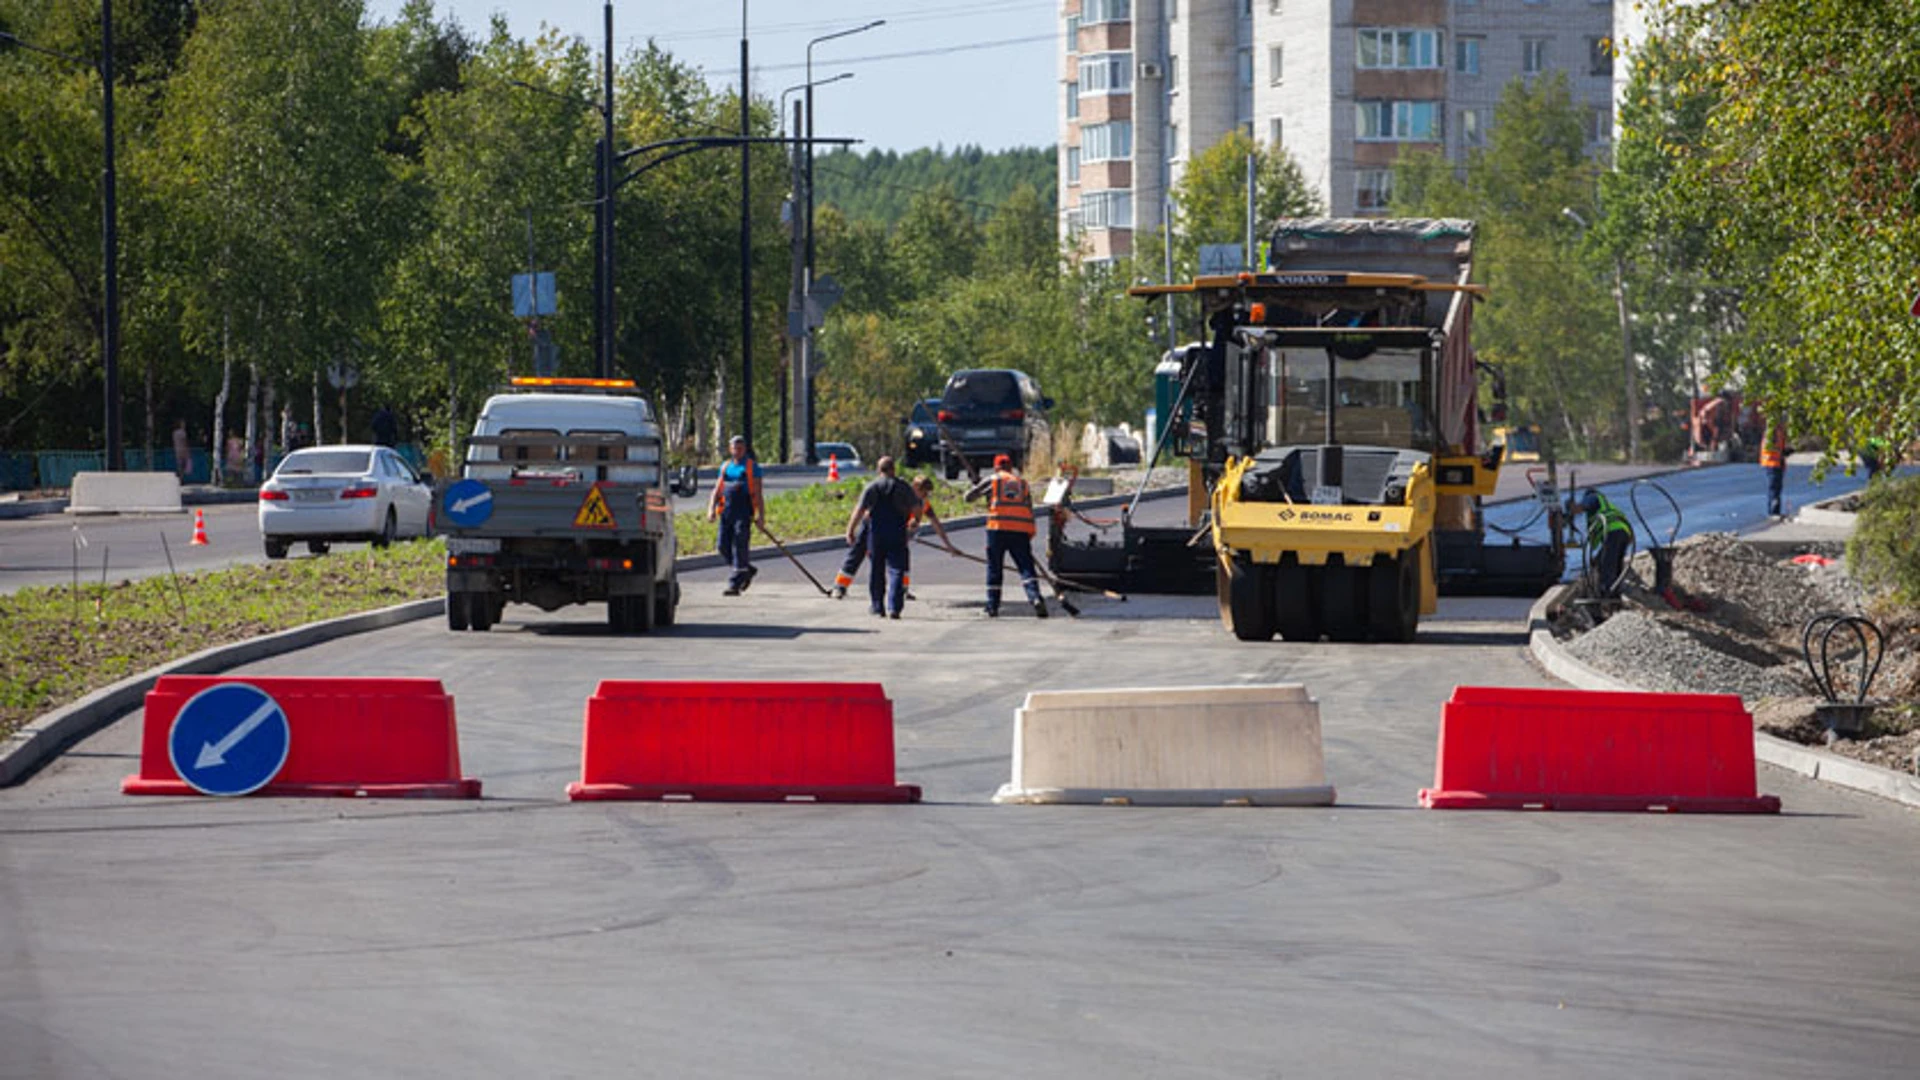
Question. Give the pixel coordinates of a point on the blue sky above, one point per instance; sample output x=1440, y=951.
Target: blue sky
x=939, y=73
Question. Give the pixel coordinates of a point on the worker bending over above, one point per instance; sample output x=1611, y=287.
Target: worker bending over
x=1608, y=537
x=857, y=545
x=1009, y=532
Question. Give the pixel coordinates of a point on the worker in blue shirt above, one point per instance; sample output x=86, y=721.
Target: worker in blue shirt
x=738, y=507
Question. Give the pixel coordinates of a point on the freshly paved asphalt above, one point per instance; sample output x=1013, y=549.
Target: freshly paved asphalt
x=522, y=935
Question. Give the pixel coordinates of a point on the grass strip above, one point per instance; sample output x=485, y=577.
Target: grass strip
x=62, y=645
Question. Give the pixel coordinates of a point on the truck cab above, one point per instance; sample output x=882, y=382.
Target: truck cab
x=563, y=499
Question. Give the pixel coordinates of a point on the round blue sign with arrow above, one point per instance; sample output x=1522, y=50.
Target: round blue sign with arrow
x=467, y=503
x=229, y=739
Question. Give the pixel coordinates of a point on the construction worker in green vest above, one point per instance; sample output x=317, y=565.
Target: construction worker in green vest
x=1609, y=535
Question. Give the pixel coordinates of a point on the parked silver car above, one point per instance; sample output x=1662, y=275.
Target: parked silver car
x=325, y=494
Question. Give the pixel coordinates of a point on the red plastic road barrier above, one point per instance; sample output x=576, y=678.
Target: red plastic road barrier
x=346, y=736
x=739, y=742
x=1521, y=749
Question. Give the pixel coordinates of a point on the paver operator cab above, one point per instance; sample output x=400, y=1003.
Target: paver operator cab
x=563, y=500
x=1331, y=422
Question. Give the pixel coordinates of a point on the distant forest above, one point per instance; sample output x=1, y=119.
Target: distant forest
x=879, y=184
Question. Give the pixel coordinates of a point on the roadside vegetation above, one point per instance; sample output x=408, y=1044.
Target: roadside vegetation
x=63, y=643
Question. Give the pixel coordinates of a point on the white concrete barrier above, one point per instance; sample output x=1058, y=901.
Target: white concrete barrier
x=125, y=493
x=1183, y=746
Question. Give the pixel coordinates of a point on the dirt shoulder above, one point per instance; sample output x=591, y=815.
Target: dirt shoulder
x=1733, y=623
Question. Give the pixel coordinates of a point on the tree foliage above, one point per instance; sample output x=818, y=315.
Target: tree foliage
x=1797, y=196
x=880, y=185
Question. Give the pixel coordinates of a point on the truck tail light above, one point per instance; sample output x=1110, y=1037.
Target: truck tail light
x=270, y=495
x=469, y=562
x=1014, y=414
x=362, y=492
x=945, y=416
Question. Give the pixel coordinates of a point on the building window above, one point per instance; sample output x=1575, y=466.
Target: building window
x=1073, y=101
x=1173, y=74
x=1600, y=126
x=1533, y=53
x=1076, y=223
x=1276, y=64
x=1397, y=121
x=1105, y=11
x=1466, y=55
x=1106, y=73
x=1073, y=164
x=1107, y=142
x=1275, y=129
x=1073, y=33
x=1173, y=141
x=1473, y=127
x=1245, y=60
x=1599, y=56
x=1107, y=209
x=1380, y=48
x=1373, y=190
x=1173, y=10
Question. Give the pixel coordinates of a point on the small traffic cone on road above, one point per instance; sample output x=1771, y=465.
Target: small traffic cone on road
x=199, y=528
x=833, y=468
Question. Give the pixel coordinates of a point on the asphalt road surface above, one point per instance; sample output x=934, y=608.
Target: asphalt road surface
x=521, y=935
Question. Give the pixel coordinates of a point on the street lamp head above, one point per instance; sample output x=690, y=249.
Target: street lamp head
x=1573, y=215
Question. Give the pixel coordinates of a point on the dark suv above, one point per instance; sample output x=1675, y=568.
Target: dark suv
x=992, y=411
x=920, y=436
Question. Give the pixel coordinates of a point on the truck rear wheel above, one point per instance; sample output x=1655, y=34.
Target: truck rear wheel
x=1342, y=601
x=456, y=611
x=1246, y=599
x=666, y=599
x=480, y=611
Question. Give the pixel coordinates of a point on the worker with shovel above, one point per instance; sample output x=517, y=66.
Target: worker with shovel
x=1009, y=532
x=857, y=547
x=886, y=506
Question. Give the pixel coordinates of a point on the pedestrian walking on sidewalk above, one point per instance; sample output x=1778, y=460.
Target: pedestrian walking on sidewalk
x=1009, y=532
x=738, y=507
x=857, y=545
x=886, y=506
x=182, y=451
x=1773, y=459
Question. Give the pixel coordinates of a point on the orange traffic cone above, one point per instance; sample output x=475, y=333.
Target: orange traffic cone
x=833, y=467
x=199, y=528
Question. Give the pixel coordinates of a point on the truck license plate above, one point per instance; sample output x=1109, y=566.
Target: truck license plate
x=979, y=433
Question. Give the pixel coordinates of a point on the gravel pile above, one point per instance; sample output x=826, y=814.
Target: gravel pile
x=1646, y=651
x=1754, y=593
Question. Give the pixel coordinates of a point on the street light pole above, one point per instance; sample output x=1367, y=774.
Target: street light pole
x=607, y=254
x=746, y=243
x=806, y=278
x=115, y=451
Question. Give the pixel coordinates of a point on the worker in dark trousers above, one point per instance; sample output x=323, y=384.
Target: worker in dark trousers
x=738, y=507
x=1773, y=460
x=885, y=507
x=1009, y=532
x=1608, y=537
x=857, y=547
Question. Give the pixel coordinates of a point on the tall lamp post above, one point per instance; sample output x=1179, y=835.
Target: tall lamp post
x=806, y=279
x=1626, y=343
x=795, y=305
x=109, y=235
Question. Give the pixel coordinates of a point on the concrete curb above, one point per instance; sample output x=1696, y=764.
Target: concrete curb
x=1807, y=761
x=1818, y=514
x=26, y=750
x=26, y=508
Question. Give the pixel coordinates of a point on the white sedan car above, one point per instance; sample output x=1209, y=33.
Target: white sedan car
x=328, y=493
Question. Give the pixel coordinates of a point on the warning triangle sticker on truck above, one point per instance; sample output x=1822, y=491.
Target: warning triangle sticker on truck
x=594, y=512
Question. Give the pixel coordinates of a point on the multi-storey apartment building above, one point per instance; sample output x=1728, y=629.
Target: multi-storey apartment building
x=1344, y=85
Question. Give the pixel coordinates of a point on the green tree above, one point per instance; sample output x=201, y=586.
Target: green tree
x=1210, y=197
x=1815, y=218
x=1549, y=322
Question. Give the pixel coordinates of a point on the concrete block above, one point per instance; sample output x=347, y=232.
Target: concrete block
x=1184, y=746
x=125, y=493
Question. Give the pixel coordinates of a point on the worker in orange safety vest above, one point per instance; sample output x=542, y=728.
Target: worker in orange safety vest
x=1009, y=532
x=1773, y=459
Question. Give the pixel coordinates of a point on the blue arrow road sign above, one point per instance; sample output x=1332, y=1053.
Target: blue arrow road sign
x=229, y=739
x=467, y=503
